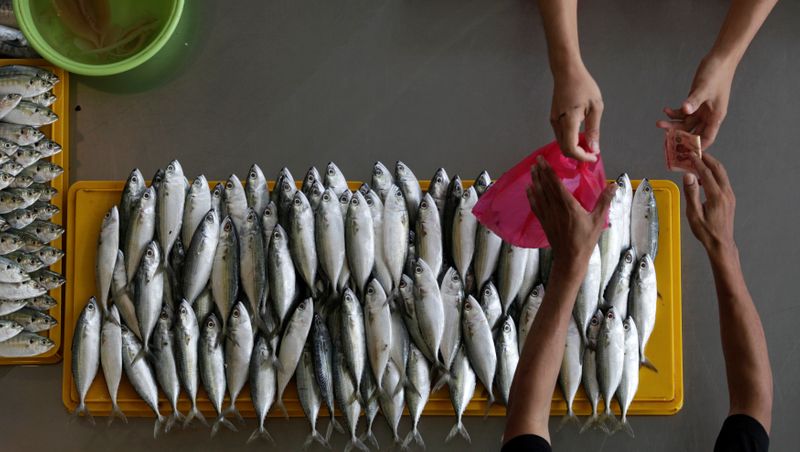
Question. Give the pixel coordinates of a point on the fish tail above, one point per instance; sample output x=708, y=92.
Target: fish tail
x=592, y=422
x=444, y=379
x=194, y=413
x=116, y=412
x=333, y=424
x=173, y=419
x=159, y=424
x=625, y=426
x=458, y=429
x=82, y=409
x=414, y=436
x=260, y=433
x=222, y=421
x=355, y=443
x=282, y=407
x=369, y=437
x=646, y=363
x=315, y=436
x=489, y=403
x=569, y=417
x=232, y=410
x=608, y=422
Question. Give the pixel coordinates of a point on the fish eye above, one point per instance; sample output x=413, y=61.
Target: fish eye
x=610, y=315
x=183, y=310
x=149, y=253
x=326, y=197
x=378, y=172
x=398, y=193
x=370, y=290
x=164, y=315
x=370, y=202
x=236, y=313
x=297, y=201
x=267, y=212
x=286, y=186
x=354, y=201
x=626, y=326
x=146, y=195
x=628, y=258
x=403, y=284
x=439, y=179
x=276, y=234
x=251, y=216
x=647, y=189
x=468, y=307
x=228, y=226
x=506, y=327
x=31, y=340
x=595, y=321
x=229, y=185
x=210, y=323
x=252, y=175
x=171, y=167
x=302, y=306
x=90, y=307
x=456, y=278
x=418, y=269
x=643, y=264
x=423, y=205
x=331, y=172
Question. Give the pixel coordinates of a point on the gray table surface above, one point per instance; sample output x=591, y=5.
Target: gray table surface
x=465, y=85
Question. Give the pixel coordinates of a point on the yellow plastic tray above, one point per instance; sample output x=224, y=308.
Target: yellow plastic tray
x=58, y=132
x=659, y=393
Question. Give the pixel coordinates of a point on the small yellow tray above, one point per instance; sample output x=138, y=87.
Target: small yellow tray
x=58, y=132
x=659, y=393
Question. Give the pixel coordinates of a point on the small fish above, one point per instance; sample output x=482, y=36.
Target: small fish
x=212, y=369
x=629, y=382
x=378, y=329
x=589, y=376
x=644, y=221
x=487, y=254
x=30, y=114
x=307, y=390
x=618, y=288
x=353, y=337
x=25, y=344
x=171, y=195
x=479, y=345
x=329, y=237
x=42, y=172
x=335, y=179
x=569, y=379
x=587, y=300
x=452, y=292
x=462, y=388
x=511, y=273
x=256, y=190
x=322, y=349
x=140, y=230
x=616, y=238
x=31, y=320
x=644, y=296
x=301, y=240
x=359, y=241
x=107, y=247
x=187, y=336
x=85, y=353
x=225, y=270
x=131, y=195
x=200, y=258
x=140, y=375
x=281, y=274
x=9, y=329
x=263, y=386
x=42, y=303
x=492, y=307
x=252, y=262
x=149, y=290
x=238, y=349
x=291, y=346
x=428, y=306
x=464, y=232
x=428, y=233
x=507, y=358
x=165, y=365
x=111, y=359
x=382, y=180
x=610, y=363
x=396, y=221
x=21, y=290
x=196, y=207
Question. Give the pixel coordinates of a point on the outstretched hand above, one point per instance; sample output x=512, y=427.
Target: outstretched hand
x=577, y=99
x=711, y=221
x=570, y=229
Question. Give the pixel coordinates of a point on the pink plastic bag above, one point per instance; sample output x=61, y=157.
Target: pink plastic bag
x=505, y=209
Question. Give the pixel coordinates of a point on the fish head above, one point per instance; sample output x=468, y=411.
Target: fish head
x=199, y=184
x=395, y=200
x=152, y=256
x=312, y=175
x=10, y=240
x=348, y=297
x=40, y=344
x=440, y=181
x=233, y=185
x=218, y=193
x=624, y=187
x=357, y=201
x=509, y=329
x=345, y=197
x=645, y=271
x=627, y=261
x=9, y=101
x=39, y=83
x=483, y=181
x=406, y=288
x=375, y=292
x=278, y=234
x=611, y=320
x=148, y=200
x=451, y=283
x=255, y=176
x=285, y=174
x=489, y=293
x=469, y=197
x=155, y=181
x=594, y=328
x=239, y=316
x=186, y=313
x=300, y=203
x=174, y=169
x=226, y=228
x=8, y=147
x=317, y=322
x=111, y=217
x=381, y=176
x=8, y=178
x=211, y=328
x=211, y=218
x=427, y=207
x=50, y=147
x=332, y=171
x=270, y=217
x=10, y=328
x=91, y=312
x=401, y=170
x=471, y=307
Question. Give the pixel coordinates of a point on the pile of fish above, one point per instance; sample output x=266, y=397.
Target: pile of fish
x=13, y=43
x=25, y=211
x=370, y=299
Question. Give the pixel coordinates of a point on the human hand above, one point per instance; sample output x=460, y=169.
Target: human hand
x=711, y=221
x=704, y=110
x=570, y=229
x=576, y=99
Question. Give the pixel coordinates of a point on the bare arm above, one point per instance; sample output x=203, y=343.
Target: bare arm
x=743, y=342
x=704, y=110
x=572, y=233
x=576, y=96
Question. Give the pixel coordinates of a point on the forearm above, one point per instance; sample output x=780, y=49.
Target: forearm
x=742, y=22
x=560, y=19
x=743, y=341
x=540, y=360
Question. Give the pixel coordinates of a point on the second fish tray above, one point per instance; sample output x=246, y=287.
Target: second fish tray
x=659, y=393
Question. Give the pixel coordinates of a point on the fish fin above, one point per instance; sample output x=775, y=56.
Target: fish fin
x=282, y=407
x=608, y=422
x=174, y=418
x=625, y=426
x=116, y=412
x=489, y=403
x=458, y=429
x=159, y=424
x=333, y=424
x=112, y=319
x=222, y=421
x=82, y=409
x=261, y=433
x=646, y=363
x=413, y=435
x=194, y=413
x=235, y=412
x=369, y=437
x=444, y=379
x=569, y=417
x=355, y=443
x=592, y=422
x=315, y=436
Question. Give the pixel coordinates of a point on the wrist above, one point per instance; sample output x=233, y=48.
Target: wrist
x=726, y=59
x=722, y=251
x=566, y=63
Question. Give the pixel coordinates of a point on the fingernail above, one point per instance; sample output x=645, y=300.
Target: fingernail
x=689, y=179
x=594, y=146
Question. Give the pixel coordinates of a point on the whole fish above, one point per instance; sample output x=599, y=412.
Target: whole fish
x=19, y=134
x=187, y=336
x=85, y=353
x=30, y=114
x=311, y=178
x=492, y=307
x=252, y=261
x=369, y=396
x=140, y=375
x=212, y=369
x=428, y=306
x=235, y=201
x=131, y=194
x=428, y=234
x=589, y=375
x=610, y=362
x=587, y=301
x=462, y=388
x=45, y=231
x=281, y=274
x=381, y=270
x=437, y=188
x=49, y=148
x=359, y=241
x=479, y=344
x=31, y=320
x=511, y=273
x=409, y=313
x=335, y=179
x=218, y=200
x=322, y=349
x=256, y=190
x=419, y=379
x=291, y=346
x=285, y=189
x=238, y=349
x=107, y=248
x=329, y=237
x=225, y=270
x=377, y=329
x=122, y=297
x=197, y=205
x=452, y=291
x=382, y=180
x=301, y=240
x=171, y=201
x=616, y=238
x=644, y=221
x=165, y=365
x=618, y=289
x=482, y=183
x=45, y=99
x=26, y=85
x=45, y=210
x=21, y=69
x=465, y=227
x=644, y=296
x=629, y=383
x=200, y=257
x=409, y=185
x=42, y=303
x=353, y=336
x=25, y=344
x=149, y=290
x=347, y=399
x=140, y=230
x=507, y=358
x=307, y=390
x=569, y=379
x=487, y=253
x=396, y=220
x=391, y=399
x=9, y=329
x=262, y=386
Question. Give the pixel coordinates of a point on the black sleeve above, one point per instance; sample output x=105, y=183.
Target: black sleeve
x=741, y=433
x=527, y=443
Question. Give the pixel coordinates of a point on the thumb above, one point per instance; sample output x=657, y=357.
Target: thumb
x=600, y=209
x=691, y=191
x=693, y=102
